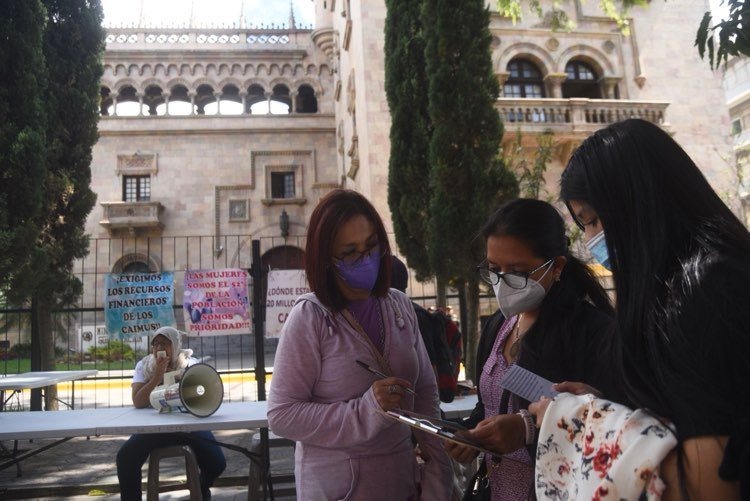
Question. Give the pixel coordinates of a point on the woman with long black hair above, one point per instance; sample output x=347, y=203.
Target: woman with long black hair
x=680, y=262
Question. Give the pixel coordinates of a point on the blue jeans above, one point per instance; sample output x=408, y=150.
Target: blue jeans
x=133, y=454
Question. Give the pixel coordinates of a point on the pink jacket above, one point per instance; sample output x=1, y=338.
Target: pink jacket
x=323, y=400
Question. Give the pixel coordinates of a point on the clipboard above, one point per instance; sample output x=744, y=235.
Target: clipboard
x=446, y=430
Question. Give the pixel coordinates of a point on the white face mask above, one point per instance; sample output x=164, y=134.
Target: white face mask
x=514, y=301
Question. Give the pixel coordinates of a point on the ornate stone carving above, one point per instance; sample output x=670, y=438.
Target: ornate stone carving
x=137, y=164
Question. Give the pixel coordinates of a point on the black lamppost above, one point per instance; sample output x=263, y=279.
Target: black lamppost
x=284, y=223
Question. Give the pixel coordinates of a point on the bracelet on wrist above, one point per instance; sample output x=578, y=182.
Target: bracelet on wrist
x=528, y=422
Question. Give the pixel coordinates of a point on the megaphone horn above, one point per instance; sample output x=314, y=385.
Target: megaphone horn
x=200, y=392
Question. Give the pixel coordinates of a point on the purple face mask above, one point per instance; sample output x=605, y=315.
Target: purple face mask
x=362, y=273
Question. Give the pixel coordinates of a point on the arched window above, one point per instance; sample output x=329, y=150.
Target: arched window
x=205, y=96
x=127, y=103
x=306, y=100
x=255, y=94
x=179, y=102
x=525, y=80
x=153, y=98
x=581, y=81
x=281, y=97
x=135, y=263
x=231, y=102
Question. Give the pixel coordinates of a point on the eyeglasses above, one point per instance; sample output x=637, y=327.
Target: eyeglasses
x=513, y=279
x=161, y=343
x=354, y=258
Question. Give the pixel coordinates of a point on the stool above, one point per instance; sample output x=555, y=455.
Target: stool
x=191, y=468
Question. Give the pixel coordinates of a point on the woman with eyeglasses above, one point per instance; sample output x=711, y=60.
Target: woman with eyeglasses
x=166, y=356
x=322, y=397
x=553, y=320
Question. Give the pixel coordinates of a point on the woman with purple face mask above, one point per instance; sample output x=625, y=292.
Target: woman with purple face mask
x=323, y=399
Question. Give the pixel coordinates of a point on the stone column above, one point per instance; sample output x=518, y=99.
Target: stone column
x=217, y=95
x=502, y=77
x=166, y=95
x=607, y=86
x=114, y=104
x=243, y=99
x=293, y=105
x=268, y=102
x=191, y=95
x=140, y=103
x=554, y=82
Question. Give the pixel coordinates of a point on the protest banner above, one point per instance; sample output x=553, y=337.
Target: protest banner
x=137, y=304
x=216, y=302
x=284, y=287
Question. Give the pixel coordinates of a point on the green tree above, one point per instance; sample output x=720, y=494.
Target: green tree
x=408, y=166
x=467, y=178
x=530, y=172
x=728, y=37
x=73, y=46
x=22, y=143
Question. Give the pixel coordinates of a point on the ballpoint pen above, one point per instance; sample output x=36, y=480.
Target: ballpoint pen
x=380, y=374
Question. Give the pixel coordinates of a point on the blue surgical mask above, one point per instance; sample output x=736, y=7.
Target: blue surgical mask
x=598, y=248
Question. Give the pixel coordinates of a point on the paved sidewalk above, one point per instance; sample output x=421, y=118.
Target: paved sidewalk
x=84, y=469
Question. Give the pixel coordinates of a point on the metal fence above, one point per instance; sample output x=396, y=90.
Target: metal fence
x=82, y=341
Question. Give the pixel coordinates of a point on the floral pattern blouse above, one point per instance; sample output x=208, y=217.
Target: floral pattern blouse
x=591, y=448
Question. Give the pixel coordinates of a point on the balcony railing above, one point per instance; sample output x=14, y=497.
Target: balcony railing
x=575, y=114
x=132, y=216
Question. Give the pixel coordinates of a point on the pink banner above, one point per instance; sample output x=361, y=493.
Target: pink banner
x=216, y=302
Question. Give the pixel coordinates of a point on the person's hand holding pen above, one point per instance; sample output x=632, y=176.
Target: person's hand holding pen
x=388, y=390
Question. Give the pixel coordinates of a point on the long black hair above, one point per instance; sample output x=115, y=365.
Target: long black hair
x=664, y=227
x=541, y=228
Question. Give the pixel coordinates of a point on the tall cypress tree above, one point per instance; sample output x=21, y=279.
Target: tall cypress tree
x=467, y=177
x=408, y=166
x=22, y=143
x=73, y=47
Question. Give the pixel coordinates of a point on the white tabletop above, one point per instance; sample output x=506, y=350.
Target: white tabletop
x=31, y=380
x=460, y=407
x=128, y=420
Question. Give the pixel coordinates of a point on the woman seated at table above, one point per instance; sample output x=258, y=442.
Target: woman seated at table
x=166, y=355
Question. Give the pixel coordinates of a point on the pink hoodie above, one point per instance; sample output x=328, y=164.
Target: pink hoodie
x=322, y=399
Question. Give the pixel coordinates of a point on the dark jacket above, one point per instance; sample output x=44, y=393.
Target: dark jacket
x=575, y=347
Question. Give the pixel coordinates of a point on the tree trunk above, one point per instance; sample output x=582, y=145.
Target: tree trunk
x=471, y=328
x=47, y=346
x=440, y=297
x=36, y=354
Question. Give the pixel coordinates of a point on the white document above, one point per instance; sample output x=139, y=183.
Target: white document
x=526, y=384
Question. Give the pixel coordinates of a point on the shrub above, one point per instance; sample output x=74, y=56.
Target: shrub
x=115, y=351
x=20, y=350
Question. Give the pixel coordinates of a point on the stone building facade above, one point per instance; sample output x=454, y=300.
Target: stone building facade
x=569, y=83
x=737, y=91
x=192, y=142
x=168, y=162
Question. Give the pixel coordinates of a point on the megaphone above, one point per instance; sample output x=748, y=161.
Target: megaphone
x=199, y=391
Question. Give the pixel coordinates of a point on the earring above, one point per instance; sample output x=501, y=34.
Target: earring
x=557, y=278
